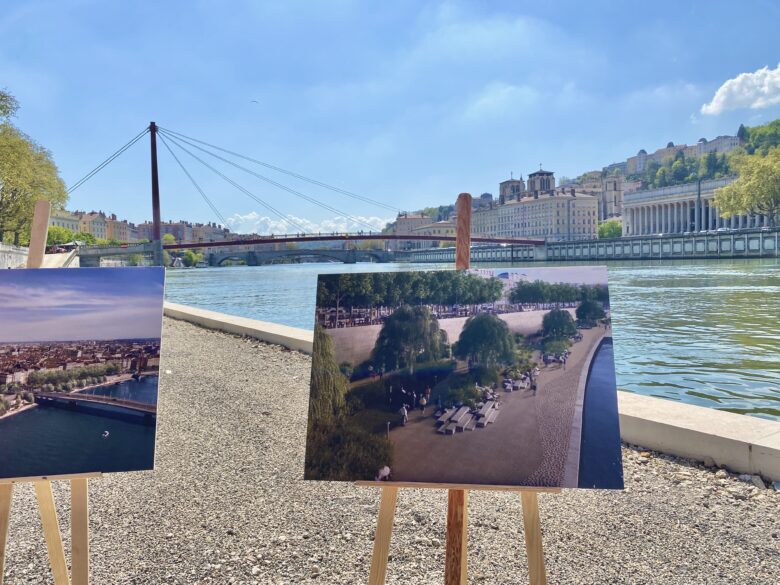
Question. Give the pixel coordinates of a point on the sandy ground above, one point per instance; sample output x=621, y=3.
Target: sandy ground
x=226, y=503
x=526, y=445
x=354, y=344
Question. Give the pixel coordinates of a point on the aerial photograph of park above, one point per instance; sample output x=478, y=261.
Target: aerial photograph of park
x=79, y=370
x=495, y=377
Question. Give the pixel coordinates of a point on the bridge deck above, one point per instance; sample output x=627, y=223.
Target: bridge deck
x=132, y=404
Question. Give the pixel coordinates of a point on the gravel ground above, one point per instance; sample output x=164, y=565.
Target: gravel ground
x=226, y=503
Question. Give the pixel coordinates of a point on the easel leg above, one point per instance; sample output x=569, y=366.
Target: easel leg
x=79, y=531
x=456, y=564
x=533, y=539
x=51, y=532
x=6, y=491
x=384, y=530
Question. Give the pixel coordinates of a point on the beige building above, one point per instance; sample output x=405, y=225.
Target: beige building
x=64, y=219
x=511, y=190
x=209, y=232
x=553, y=215
x=120, y=229
x=404, y=225
x=638, y=163
x=439, y=228
x=93, y=223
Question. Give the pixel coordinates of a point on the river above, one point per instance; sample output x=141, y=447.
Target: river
x=47, y=440
x=701, y=332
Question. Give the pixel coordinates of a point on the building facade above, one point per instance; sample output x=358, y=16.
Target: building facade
x=64, y=219
x=439, y=228
x=554, y=215
x=404, y=225
x=681, y=209
x=93, y=223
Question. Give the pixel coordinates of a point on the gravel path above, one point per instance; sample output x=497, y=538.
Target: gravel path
x=226, y=503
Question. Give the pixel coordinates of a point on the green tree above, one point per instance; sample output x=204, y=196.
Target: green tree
x=611, y=228
x=191, y=258
x=328, y=384
x=558, y=323
x=27, y=173
x=742, y=133
x=756, y=189
x=168, y=239
x=58, y=235
x=8, y=105
x=590, y=311
x=486, y=341
x=87, y=238
x=410, y=332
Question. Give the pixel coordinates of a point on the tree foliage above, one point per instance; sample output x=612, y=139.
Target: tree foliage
x=589, y=310
x=58, y=235
x=757, y=188
x=558, y=323
x=611, y=228
x=392, y=289
x=328, y=384
x=486, y=341
x=761, y=139
x=408, y=334
x=27, y=173
x=540, y=291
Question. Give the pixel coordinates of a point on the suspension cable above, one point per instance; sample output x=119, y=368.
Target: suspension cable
x=290, y=173
x=276, y=184
x=248, y=193
x=190, y=177
x=106, y=162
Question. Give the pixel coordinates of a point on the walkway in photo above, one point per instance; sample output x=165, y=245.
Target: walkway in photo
x=526, y=445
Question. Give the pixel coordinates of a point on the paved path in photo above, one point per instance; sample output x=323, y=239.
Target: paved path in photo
x=526, y=445
x=354, y=344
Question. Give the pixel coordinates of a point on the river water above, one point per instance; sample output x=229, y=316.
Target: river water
x=55, y=441
x=701, y=332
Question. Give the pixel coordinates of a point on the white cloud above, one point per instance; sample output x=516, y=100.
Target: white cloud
x=254, y=223
x=756, y=90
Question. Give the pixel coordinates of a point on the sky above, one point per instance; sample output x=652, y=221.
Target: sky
x=86, y=304
x=406, y=102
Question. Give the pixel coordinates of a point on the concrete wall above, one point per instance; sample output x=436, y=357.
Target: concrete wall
x=738, y=442
x=12, y=257
x=290, y=337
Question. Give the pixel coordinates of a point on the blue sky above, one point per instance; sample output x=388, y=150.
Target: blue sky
x=91, y=303
x=406, y=102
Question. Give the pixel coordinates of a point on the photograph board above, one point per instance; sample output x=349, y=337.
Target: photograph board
x=485, y=377
x=79, y=370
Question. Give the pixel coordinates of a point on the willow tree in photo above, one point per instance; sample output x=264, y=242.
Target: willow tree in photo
x=408, y=333
x=328, y=384
x=756, y=191
x=27, y=173
x=486, y=341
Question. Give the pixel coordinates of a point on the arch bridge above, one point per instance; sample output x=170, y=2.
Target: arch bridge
x=258, y=257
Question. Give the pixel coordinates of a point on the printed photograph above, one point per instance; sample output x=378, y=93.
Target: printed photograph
x=495, y=377
x=79, y=365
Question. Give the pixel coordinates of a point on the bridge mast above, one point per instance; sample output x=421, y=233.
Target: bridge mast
x=156, y=238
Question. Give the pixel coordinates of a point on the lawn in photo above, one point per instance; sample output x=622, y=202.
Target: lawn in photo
x=79, y=370
x=493, y=377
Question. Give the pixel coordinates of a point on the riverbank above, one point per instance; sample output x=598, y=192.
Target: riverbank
x=676, y=523
x=16, y=411
x=115, y=379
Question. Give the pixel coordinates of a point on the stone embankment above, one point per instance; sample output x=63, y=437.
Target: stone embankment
x=227, y=504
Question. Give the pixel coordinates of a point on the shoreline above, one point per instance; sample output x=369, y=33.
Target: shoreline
x=16, y=411
x=117, y=379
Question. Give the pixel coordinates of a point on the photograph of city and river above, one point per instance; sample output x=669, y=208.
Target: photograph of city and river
x=79, y=370
x=499, y=377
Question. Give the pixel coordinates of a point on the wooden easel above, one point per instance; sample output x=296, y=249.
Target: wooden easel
x=456, y=565
x=79, y=509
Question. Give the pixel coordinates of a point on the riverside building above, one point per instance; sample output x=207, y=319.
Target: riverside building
x=538, y=210
x=681, y=209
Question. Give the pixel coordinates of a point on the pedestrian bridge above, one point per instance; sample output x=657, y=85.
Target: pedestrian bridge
x=258, y=257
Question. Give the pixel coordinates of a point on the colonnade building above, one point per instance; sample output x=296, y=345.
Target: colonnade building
x=681, y=209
